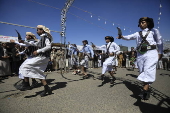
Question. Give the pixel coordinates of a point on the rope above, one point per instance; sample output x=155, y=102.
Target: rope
x=71, y=14
x=25, y=26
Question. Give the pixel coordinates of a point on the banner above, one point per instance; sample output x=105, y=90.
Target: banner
x=7, y=38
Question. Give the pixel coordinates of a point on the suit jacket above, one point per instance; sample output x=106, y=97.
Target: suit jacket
x=14, y=57
x=1, y=53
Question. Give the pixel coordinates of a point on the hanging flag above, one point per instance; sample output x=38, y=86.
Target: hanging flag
x=160, y=13
x=159, y=18
x=160, y=5
x=91, y=16
x=113, y=24
x=105, y=22
x=158, y=27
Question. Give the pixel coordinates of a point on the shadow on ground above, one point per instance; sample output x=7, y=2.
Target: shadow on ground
x=146, y=107
x=57, y=86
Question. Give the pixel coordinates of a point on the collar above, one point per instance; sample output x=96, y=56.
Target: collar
x=146, y=29
x=42, y=35
x=85, y=45
x=108, y=43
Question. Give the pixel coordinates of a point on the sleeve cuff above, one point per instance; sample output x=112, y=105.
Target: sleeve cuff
x=38, y=51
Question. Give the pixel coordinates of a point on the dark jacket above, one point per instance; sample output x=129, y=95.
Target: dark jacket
x=1, y=52
x=14, y=57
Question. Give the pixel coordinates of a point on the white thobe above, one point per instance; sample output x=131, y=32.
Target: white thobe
x=35, y=67
x=147, y=62
x=108, y=63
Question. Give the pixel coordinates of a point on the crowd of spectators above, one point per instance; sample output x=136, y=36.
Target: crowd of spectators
x=10, y=59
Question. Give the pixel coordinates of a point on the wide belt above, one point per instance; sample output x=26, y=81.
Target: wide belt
x=145, y=48
x=151, y=47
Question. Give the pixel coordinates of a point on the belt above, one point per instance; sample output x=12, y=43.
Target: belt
x=151, y=47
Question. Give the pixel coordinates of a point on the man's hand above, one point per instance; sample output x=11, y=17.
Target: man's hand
x=111, y=54
x=5, y=56
x=160, y=56
x=35, y=53
x=93, y=46
x=12, y=41
x=21, y=41
x=119, y=37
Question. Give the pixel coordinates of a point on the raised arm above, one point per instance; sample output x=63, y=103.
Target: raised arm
x=31, y=43
x=21, y=44
x=103, y=47
x=128, y=37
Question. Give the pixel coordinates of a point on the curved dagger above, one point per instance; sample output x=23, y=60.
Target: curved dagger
x=19, y=36
x=119, y=31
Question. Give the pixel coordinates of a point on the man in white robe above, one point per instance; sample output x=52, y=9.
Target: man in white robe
x=147, y=52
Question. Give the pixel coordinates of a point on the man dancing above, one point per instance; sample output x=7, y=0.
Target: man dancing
x=74, y=58
x=36, y=66
x=29, y=54
x=110, y=49
x=87, y=53
x=147, y=53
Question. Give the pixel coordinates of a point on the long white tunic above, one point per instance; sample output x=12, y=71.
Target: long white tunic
x=147, y=62
x=35, y=67
x=109, y=62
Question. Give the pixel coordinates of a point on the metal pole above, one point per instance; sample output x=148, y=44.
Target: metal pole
x=63, y=24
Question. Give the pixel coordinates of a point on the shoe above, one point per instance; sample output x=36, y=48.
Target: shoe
x=85, y=77
x=74, y=73
x=101, y=77
x=145, y=95
x=112, y=80
x=47, y=89
x=25, y=86
x=78, y=71
x=34, y=84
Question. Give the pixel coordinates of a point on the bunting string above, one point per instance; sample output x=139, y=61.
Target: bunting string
x=159, y=15
x=99, y=18
x=25, y=26
x=102, y=18
x=73, y=15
